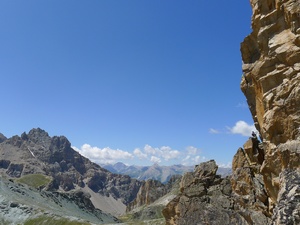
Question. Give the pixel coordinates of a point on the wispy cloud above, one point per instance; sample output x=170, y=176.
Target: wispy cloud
x=242, y=128
x=192, y=156
x=104, y=155
x=214, y=131
x=242, y=105
x=192, y=150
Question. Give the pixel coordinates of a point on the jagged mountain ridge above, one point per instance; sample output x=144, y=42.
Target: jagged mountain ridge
x=37, y=152
x=156, y=172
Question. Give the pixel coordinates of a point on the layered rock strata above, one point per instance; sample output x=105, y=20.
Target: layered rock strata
x=271, y=84
x=264, y=186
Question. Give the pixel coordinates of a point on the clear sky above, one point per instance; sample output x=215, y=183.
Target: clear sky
x=136, y=81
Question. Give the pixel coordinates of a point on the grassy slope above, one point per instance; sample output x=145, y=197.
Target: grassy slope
x=34, y=180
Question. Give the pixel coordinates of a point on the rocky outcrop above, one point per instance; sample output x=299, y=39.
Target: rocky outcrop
x=2, y=137
x=264, y=186
x=152, y=190
x=287, y=210
x=36, y=152
x=206, y=198
x=248, y=189
x=271, y=70
x=271, y=84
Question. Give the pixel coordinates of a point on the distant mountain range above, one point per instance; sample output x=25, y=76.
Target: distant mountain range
x=156, y=172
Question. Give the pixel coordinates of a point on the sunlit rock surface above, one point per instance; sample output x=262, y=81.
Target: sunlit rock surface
x=271, y=84
x=264, y=186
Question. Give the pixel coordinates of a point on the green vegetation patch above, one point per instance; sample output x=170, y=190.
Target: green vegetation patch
x=35, y=180
x=44, y=220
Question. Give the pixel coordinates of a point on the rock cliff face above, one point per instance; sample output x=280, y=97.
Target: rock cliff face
x=38, y=153
x=271, y=84
x=152, y=190
x=264, y=186
x=151, y=199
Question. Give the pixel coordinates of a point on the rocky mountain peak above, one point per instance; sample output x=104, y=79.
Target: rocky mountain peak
x=37, y=135
x=119, y=166
x=36, y=152
x=2, y=137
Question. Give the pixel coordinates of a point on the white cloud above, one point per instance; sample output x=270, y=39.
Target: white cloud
x=149, y=150
x=213, y=131
x=186, y=158
x=165, y=152
x=192, y=150
x=241, y=127
x=223, y=165
x=197, y=159
x=189, y=156
x=104, y=155
x=138, y=153
x=155, y=159
x=192, y=156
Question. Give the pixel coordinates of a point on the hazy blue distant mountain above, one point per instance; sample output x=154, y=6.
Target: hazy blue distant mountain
x=155, y=172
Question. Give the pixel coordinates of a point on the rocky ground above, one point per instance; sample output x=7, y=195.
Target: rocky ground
x=20, y=203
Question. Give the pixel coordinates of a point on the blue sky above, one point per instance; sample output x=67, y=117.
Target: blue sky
x=135, y=81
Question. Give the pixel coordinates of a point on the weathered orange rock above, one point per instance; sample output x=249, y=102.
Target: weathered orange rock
x=271, y=84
